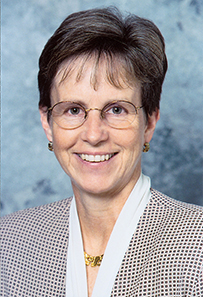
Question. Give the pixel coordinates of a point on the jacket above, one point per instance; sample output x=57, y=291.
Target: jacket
x=164, y=257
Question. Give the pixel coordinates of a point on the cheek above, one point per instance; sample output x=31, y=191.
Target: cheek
x=59, y=141
x=63, y=139
x=134, y=140
x=131, y=144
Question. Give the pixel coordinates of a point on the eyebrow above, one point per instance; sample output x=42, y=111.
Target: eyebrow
x=81, y=102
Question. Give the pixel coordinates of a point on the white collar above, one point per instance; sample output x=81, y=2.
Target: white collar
x=76, y=280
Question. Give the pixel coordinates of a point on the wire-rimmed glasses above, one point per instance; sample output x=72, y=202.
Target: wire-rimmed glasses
x=71, y=115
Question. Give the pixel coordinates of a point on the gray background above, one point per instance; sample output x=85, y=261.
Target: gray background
x=30, y=174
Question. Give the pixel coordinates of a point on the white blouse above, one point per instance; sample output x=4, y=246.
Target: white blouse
x=76, y=279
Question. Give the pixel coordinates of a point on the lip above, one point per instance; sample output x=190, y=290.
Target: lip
x=96, y=157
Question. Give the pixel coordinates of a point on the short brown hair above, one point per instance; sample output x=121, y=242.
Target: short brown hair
x=135, y=41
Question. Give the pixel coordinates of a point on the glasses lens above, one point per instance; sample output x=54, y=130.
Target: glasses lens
x=68, y=115
x=119, y=114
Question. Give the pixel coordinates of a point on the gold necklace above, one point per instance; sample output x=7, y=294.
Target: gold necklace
x=93, y=260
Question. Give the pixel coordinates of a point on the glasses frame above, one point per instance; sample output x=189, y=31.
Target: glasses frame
x=87, y=110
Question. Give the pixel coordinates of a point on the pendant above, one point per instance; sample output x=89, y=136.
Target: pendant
x=93, y=260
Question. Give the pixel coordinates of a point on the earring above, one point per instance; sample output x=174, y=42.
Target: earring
x=146, y=147
x=50, y=146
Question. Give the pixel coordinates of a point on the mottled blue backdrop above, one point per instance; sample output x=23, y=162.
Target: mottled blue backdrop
x=30, y=174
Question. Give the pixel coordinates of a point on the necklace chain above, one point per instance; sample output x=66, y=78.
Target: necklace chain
x=93, y=260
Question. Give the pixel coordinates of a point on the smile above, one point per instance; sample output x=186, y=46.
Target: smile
x=96, y=158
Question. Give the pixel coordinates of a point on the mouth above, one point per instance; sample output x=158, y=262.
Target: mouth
x=96, y=158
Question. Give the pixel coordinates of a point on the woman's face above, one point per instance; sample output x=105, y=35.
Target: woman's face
x=95, y=137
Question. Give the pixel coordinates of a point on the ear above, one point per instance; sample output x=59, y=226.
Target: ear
x=45, y=124
x=151, y=125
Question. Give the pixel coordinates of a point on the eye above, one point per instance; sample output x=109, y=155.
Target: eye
x=73, y=110
x=117, y=110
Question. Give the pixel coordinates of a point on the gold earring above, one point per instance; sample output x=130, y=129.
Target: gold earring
x=146, y=147
x=50, y=146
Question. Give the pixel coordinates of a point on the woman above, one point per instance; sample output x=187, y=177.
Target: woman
x=100, y=81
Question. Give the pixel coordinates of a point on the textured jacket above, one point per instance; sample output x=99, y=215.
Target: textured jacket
x=164, y=257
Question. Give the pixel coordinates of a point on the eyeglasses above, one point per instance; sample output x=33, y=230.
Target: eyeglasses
x=71, y=115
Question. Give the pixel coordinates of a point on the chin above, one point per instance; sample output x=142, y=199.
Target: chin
x=94, y=188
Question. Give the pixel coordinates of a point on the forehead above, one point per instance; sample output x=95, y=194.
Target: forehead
x=113, y=70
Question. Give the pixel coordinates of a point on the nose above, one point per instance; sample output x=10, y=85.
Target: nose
x=95, y=130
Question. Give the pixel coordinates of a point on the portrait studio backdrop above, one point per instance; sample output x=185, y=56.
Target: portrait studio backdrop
x=31, y=175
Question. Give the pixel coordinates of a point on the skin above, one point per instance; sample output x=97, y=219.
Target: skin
x=101, y=189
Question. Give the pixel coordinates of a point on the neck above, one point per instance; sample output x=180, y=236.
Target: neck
x=98, y=215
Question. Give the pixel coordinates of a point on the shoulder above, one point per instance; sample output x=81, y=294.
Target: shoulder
x=165, y=253
x=27, y=230
x=174, y=229
x=166, y=202
x=35, y=217
x=174, y=217
x=35, y=241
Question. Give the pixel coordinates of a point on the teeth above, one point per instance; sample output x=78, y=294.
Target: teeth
x=91, y=158
x=97, y=158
